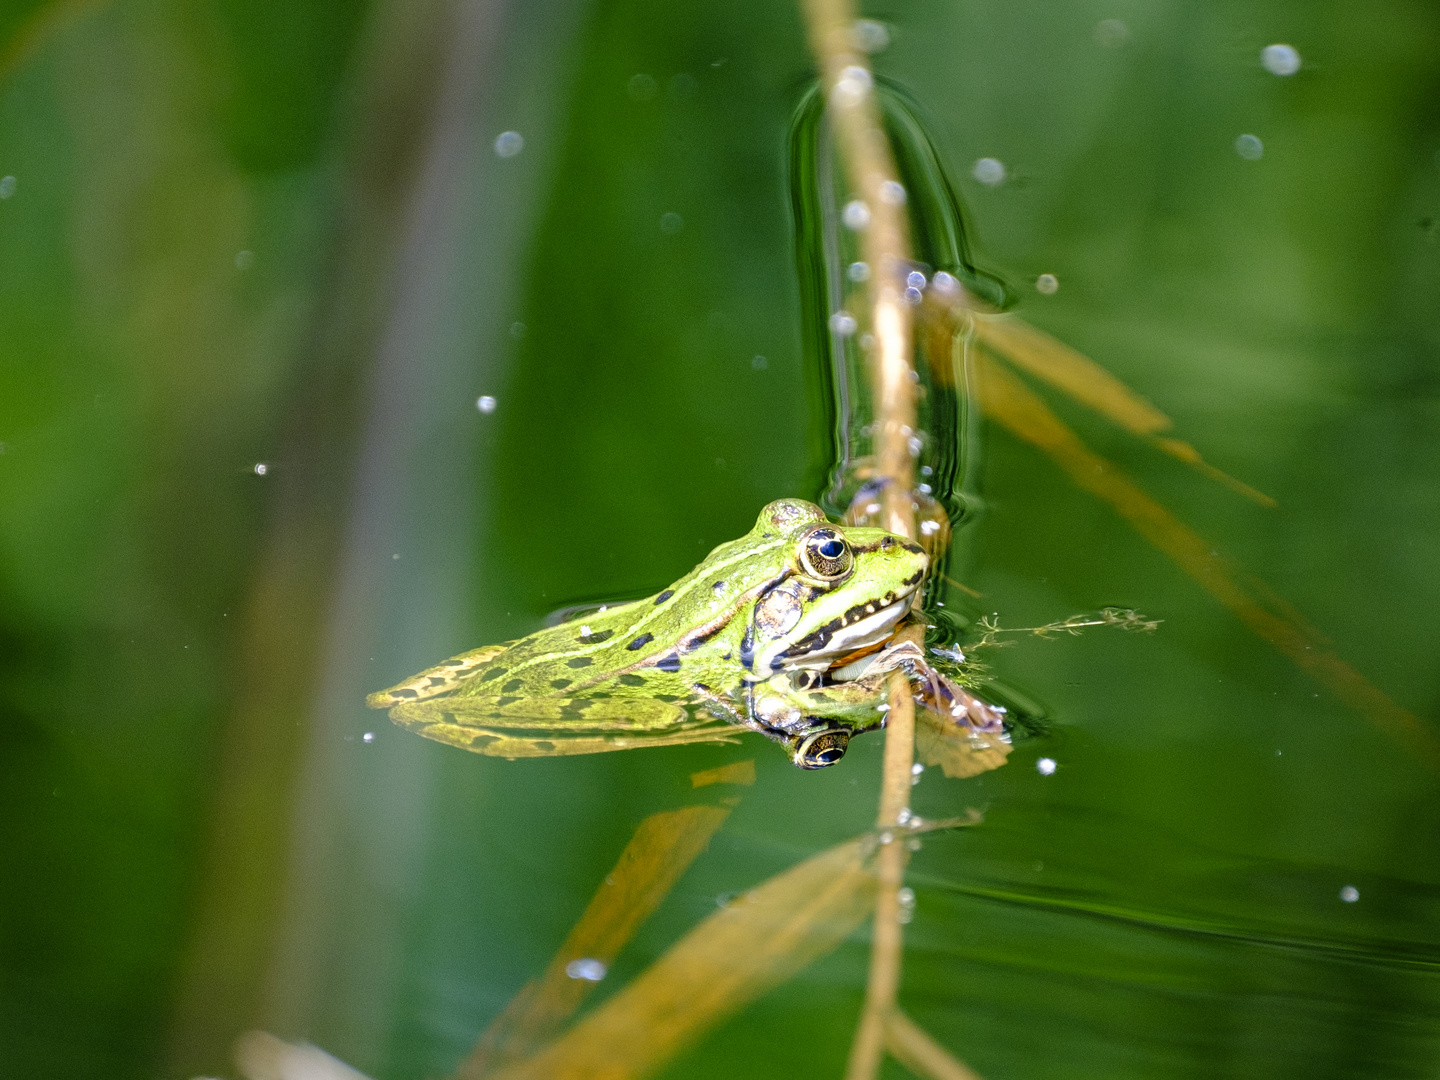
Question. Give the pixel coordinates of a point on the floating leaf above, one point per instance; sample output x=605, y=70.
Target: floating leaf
x=731, y=958
x=661, y=850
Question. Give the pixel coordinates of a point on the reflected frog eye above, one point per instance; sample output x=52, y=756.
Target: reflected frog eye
x=821, y=748
x=825, y=554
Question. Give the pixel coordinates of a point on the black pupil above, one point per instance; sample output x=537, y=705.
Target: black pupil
x=832, y=549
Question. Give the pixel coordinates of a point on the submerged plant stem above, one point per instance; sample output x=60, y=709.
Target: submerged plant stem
x=883, y=233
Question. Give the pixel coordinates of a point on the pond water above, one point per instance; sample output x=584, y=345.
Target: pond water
x=312, y=377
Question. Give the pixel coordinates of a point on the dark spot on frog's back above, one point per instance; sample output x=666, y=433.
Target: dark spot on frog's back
x=511, y=686
x=596, y=638
x=559, y=684
x=406, y=693
x=579, y=661
x=664, y=596
x=493, y=673
x=640, y=642
x=631, y=680
x=669, y=663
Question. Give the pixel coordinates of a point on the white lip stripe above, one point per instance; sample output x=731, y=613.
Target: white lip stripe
x=857, y=635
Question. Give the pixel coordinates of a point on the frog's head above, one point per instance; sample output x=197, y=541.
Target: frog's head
x=841, y=589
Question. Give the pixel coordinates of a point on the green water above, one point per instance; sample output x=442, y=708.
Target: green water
x=198, y=838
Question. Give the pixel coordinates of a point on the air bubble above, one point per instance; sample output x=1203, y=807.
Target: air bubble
x=587, y=970
x=369, y=736
x=892, y=193
x=1045, y=766
x=870, y=36
x=7, y=187
x=858, y=271
x=1111, y=33
x=912, y=295
x=759, y=363
x=989, y=171
x=843, y=323
x=1349, y=894
x=945, y=283
x=1280, y=59
x=1250, y=147
x=261, y=468
x=854, y=83
x=1047, y=284
x=915, y=279
x=906, y=896
x=486, y=404
x=509, y=143
x=856, y=215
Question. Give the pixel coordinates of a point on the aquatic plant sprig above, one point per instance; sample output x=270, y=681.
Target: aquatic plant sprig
x=1119, y=618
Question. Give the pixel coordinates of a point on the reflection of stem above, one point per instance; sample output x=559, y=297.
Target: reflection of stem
x=883, y=235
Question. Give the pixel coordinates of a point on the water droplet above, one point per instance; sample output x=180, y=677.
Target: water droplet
x=914, y=443
x=584, y=629
x=858, y=271
x=7, y=187
x=369, y=736
x=1349, y=894
x=1111, y=33
x=887, y=837
x=1250, y=147
x=1045, y=766
x=915, y=279
x=244, y=260
x=904, y=815
x=671, y=223
x=892, y=192
x=989, y=171
x=912, y=295
x=1047, y=284
x=843, y=323
x=759, y=363
x=1280, y=59
x=641, y=88
x=929, y=528
x=870, y=36
x=261, y=468
x=588, y=970
x=856, y=215
x=509, y=143
x=485, y=403
x=395, y=557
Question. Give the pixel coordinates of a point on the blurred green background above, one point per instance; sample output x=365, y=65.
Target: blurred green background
x=258, y=260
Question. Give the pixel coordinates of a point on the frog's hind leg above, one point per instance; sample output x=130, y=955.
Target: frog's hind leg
x=552, y=727
x=440, y=679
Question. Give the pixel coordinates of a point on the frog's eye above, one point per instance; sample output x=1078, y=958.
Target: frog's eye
x=821, y=748
x=825, y=554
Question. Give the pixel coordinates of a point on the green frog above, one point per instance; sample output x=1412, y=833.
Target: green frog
x=787, y=631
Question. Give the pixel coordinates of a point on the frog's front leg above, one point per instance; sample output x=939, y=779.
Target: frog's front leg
x=933, y=690
x=816, y=722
